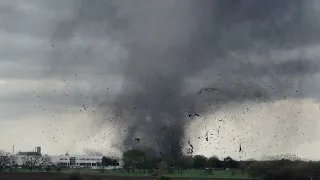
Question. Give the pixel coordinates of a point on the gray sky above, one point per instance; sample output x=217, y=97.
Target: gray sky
x=64, y=65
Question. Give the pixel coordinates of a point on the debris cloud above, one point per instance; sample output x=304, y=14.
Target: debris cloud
x=181, y=58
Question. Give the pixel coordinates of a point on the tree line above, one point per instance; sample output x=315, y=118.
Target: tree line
x=137, y=160
x=31, y=162
x=277, y=168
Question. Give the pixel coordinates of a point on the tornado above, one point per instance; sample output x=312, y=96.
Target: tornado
x=184, y=57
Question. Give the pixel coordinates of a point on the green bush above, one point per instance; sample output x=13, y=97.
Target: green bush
x=163, y=178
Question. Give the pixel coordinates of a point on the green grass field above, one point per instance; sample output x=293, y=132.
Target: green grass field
x=194, y=173
x=218, y=174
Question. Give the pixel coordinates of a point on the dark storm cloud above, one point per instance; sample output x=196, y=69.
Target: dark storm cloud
x=36, y=19
x=282, y=69
x=285, y=23
x=168, y=42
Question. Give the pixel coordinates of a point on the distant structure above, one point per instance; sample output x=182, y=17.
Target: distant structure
x=77, y=161
x=38, y=149
x=21, y=154
x=65, y=160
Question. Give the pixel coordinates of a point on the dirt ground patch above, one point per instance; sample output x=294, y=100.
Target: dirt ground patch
x=61, y=176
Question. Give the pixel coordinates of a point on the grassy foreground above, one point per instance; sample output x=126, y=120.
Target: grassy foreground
x=217, y=174
x=194, y=173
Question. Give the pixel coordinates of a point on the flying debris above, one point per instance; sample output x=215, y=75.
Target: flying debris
x=209, y=90
x=163, y=95
x=190, y=149
x=206, y=136
x=192, y=115
x=163, y=128
x=137, y=140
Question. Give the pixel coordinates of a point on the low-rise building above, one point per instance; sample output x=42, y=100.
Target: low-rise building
x=21, y=156
x=77, y=161
x=61, y=160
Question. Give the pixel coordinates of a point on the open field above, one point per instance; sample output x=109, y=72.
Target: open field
x=187, y=174
x=194, y=173
x=111, y=174
x=64, y=176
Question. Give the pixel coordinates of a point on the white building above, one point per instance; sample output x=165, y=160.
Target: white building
x=62, y=160
x=18, y=159
x=77, y=161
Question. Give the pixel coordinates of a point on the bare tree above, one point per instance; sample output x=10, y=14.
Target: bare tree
x=4, y=160
x=58, y=167
x=12, y=162
x=46, y=162
x=31, y=161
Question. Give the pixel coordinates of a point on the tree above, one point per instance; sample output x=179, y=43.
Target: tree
x=259, y=169
x=281, y=169
x=200, y=161
x=228, y=162
x=244, y=165
x=184, y=162
x=31, y=161
x=114, y=162
x=46, y=161
x=150, y=163
x=4, y=160
x=106, y=161
x=214, y=162
x=58, y=167
x=133, y=158
x=12, y=162
x=162, y=168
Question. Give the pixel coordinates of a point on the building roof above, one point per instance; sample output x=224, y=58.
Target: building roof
x=30, y=153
